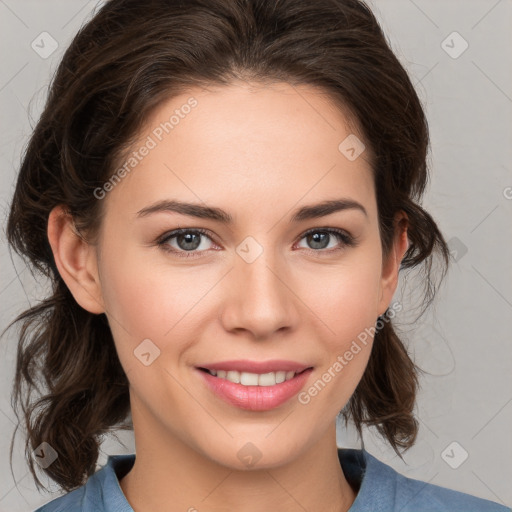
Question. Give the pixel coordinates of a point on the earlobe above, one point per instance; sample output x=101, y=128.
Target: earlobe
x=391, y=267
x=75, y=260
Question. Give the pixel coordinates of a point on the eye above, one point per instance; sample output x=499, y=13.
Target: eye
x=183, y=241
x=320, y=239
x=188, y=243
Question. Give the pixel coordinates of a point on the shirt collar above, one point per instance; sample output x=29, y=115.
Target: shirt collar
x=374, y=482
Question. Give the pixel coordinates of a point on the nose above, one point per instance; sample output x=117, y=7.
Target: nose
x=260, y=299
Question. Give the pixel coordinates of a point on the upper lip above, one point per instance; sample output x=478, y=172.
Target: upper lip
x=245, y=365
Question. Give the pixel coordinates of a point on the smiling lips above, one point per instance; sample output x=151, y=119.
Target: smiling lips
x=253, y=385
x=255, y=373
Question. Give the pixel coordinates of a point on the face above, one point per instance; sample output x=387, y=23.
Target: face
x=255, y=275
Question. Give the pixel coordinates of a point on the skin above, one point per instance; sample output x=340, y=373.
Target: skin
x=259, y=152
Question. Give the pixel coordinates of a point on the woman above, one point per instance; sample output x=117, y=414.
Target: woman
x=223, y=194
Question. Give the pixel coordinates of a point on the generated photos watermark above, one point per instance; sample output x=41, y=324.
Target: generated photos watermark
x=344, y=359
x=150, y=143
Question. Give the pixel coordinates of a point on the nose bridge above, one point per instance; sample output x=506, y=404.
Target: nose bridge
x=260, y=278
x=259, y=300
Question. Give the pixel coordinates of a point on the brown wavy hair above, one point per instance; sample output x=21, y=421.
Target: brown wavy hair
x=123, y=63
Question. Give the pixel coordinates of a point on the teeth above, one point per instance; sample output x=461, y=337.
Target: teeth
x=233, y=376
x=253, y=379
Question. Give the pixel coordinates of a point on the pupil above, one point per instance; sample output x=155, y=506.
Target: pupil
x=189, y=243
x=318, y=240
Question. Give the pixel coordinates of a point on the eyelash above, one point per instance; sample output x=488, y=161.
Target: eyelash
x=345, y=239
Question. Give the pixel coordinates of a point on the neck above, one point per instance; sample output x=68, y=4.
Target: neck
x=171, y=476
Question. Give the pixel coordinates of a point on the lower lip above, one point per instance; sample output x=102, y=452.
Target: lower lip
x=256, y=398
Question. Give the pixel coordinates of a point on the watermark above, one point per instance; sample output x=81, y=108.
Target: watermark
x=146, y=352
x=44, y=45
x=351, y=147
x=249, y=249
x=249, y=454
x=304, y=397
x=454, y=455
x=454, y=45
x=150, y=143
x=507, y=192
x=44, y=455
x=457, y=248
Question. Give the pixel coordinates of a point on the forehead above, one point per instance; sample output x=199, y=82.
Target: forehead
x=249, y=143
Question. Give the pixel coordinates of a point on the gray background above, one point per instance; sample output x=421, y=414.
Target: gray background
x=464, y=342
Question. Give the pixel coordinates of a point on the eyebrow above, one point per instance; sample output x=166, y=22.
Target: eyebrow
x=209, y=212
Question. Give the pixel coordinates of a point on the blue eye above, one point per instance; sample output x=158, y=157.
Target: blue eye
x=188, y=243
x=319, y=238
x=187, y=240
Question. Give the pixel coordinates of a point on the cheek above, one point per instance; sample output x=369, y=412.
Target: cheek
x=347, y=300
x=151, y=302
x=347, y=305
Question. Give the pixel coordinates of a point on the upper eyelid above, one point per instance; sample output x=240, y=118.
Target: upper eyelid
x=175, y=232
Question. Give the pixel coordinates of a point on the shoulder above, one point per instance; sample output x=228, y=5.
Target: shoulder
x=101, y=493
x=416, y=495
x=72, y=501
x=383, y=489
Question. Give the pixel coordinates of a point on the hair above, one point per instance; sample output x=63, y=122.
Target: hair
x=122, y=64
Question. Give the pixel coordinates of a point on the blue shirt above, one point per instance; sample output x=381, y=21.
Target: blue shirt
x=381, y=489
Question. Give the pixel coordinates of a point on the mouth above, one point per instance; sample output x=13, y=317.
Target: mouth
x=254, y=379
x=253, y=385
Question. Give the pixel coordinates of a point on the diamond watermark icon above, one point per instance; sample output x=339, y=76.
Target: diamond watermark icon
x=457, y=248
x=44, y=45
x=44, y=455
x=249, y=454
x=146, y=352
x=249, y=249
x=454, y=455
x=454, y=45
x=351, y=147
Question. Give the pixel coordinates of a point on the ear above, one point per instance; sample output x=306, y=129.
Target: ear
x=76, y=260
x=390, y=267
